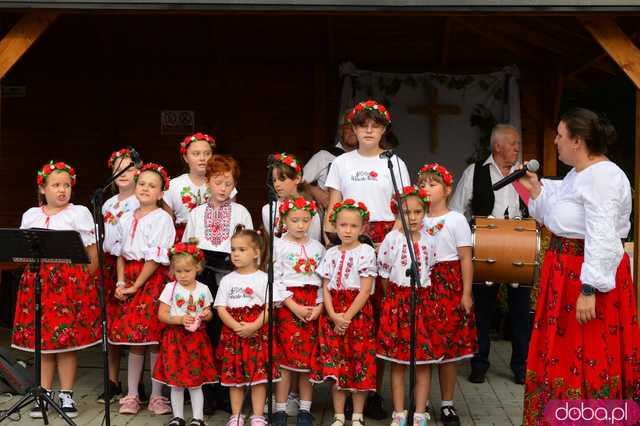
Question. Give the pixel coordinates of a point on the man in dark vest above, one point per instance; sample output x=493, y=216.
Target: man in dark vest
x=475, y=197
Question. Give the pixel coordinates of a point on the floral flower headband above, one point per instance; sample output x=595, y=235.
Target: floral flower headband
x=436, y=168
x=196, y=137
x=349, y=203
x=298, y=204
x=124, y=152
x=60, y=166
x=159, y=170
x=288, y=160
x=411, y=191
x=188, y=249
x=370, y=106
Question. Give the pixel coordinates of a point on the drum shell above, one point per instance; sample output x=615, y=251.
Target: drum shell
x=506, y=241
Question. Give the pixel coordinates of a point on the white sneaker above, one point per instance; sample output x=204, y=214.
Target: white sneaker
x=293, y=405
x=67, y=403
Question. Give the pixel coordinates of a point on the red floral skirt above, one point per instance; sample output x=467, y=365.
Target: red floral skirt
x=377, y=231
x=70, y=309
x=185, y=359
x=349, y=360
x=394, y=332
x=243, y=362
x=597, y=360
x=453, y=334
x=296, y=339
x=137, y=320
x=110, y=279
x=180, y=227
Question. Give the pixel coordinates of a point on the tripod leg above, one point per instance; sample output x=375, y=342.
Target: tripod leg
x=56, y=407
x=23, y=402
x=42, y=401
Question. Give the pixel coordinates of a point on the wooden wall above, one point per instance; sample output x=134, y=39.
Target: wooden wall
x=95, y=83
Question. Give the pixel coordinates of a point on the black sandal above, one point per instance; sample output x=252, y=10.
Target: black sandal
x=196, y=422
x=177, y=421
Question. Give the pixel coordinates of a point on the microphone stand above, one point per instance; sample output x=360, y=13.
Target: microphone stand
x=414, y=274
x=272, y=198
x=96, y=205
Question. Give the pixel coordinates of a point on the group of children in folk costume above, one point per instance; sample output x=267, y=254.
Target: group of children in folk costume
x=326, y=327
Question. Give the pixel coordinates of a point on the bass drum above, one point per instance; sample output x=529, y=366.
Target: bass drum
x=505, y=251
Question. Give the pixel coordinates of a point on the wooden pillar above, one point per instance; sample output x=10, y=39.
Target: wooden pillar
x=23, y=34
x=553, y=85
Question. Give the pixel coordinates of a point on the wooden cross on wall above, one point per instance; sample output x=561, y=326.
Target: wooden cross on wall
x=432, y=111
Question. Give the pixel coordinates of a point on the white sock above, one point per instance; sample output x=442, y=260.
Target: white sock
x=135, y=364
x=305, y=405
x=447, y=404
x=177, y=401
x=402, y=414
x=156, y=387
x=197, y=402
x=281, y=406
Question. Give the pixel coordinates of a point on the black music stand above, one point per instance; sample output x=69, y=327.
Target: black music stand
x=36, y=246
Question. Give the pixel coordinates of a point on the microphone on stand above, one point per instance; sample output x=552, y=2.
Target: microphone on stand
x=135, y=157
x=532, y=166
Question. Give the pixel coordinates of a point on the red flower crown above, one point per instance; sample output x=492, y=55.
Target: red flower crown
x=298, y=204
x=351, y=204
x=187, y=249
x=370, y=106
x=196, y=137
x=436, y=168
x=288, y=160
x=159, y=170
x=124, y=152
x=60, y=166
x=411, y=191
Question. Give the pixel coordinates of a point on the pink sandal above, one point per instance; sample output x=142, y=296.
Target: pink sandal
x=159, y=405
x=237, y=420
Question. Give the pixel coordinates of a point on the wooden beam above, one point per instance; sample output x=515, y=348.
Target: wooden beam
x=597, y=61
x=23, y=34
x=616, y=43
x=636, y=204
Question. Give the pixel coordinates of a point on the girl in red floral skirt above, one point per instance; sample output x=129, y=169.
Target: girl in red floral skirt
x=70, y=311
x=363, y=175
x=448, y=303
x=346, y=350
x=145, y=237
x=124, y=202
x=186, y=357
x=243, y=352
x=296, y=257
x=394, y=333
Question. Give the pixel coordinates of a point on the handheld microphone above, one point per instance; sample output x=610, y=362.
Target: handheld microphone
x=387, y=153
x=532, y=166
x=135, y=157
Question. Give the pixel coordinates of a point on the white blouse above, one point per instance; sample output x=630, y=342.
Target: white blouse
x=112, y=211
x=177, y=297
x=315, y=229
x=344, y=269
x=72, y=218
x=214, y=227
x=593, y=205
x=445, y=234
x=394, y=260
x=244, y=291
x=148, y=238
x=184, y=195
x=295, y=265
